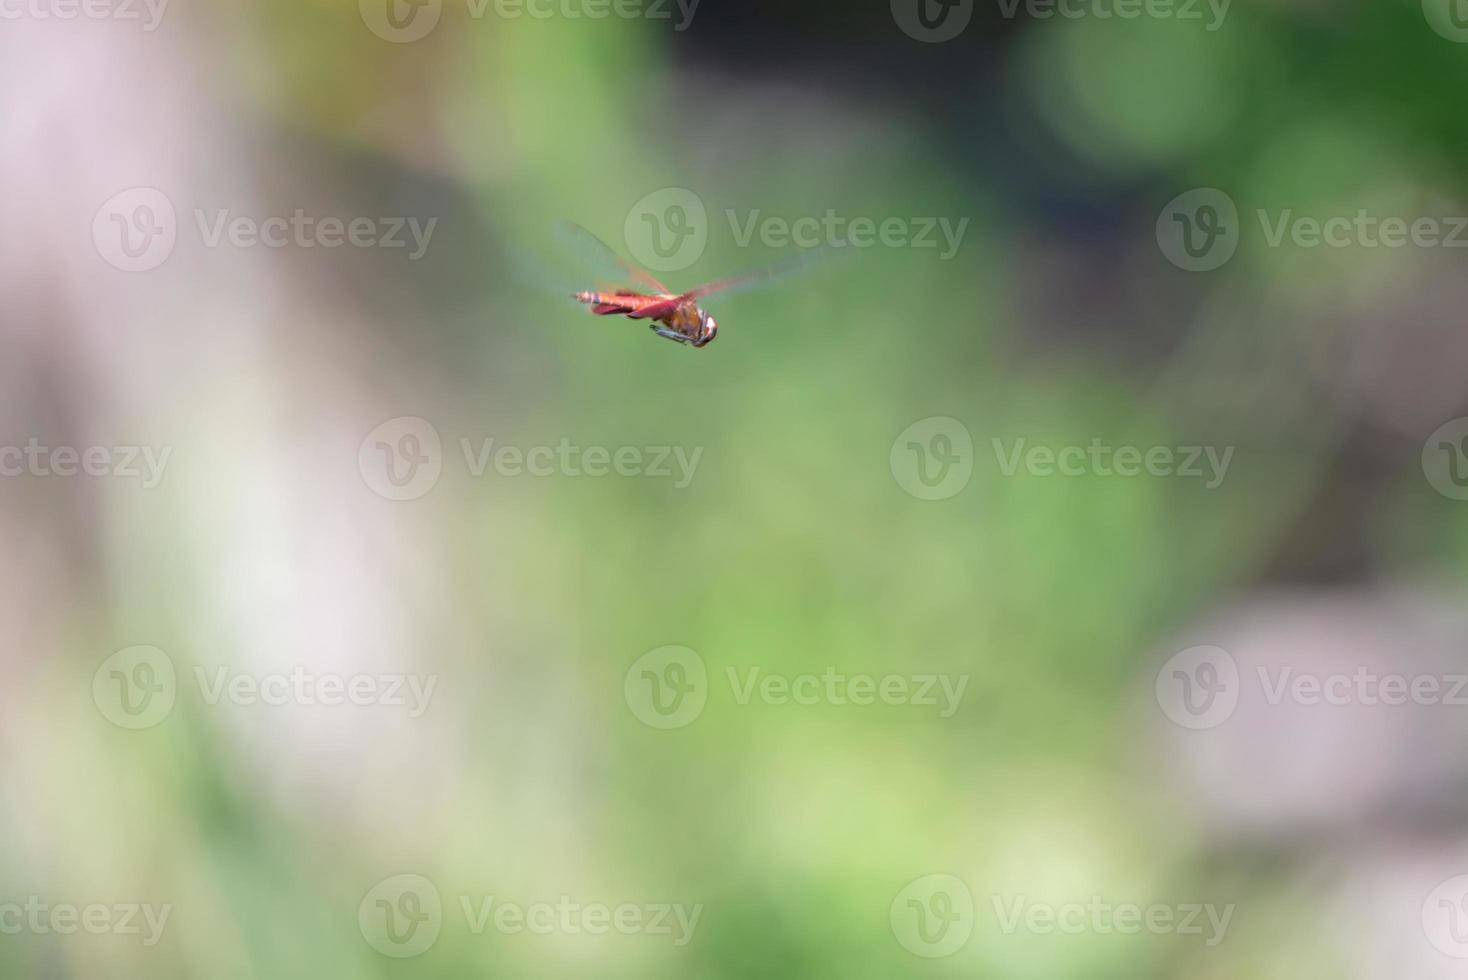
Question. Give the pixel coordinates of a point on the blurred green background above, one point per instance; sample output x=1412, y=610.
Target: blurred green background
x=801, y=546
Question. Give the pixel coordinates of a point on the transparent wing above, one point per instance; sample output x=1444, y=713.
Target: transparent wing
x=600, y=261
x=775, y=272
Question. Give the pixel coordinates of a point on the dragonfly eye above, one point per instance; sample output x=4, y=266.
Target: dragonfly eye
x=709, y=332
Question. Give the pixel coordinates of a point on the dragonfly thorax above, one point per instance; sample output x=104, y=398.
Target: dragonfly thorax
x=690, y=325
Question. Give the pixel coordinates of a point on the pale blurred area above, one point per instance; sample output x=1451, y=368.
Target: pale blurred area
x=263, y=550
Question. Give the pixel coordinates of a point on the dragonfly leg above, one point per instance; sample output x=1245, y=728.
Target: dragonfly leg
x=662, y=331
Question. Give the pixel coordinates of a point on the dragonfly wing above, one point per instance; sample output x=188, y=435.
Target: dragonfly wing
x=656, y=311
x=755, y=278
x=599, y=259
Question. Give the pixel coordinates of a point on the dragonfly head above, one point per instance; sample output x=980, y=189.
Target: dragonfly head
x=708, y=329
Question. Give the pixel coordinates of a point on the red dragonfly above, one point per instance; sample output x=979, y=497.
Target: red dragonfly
x=676, y=316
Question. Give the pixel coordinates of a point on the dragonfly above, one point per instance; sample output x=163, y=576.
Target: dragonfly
x=679, y=317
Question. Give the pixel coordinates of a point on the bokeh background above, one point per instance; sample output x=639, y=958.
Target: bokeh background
x=808, y=541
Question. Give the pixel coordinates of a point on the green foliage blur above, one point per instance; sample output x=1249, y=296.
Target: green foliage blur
x=795, y=549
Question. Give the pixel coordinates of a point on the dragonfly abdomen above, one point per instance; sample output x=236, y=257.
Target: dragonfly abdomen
x=619, y=302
